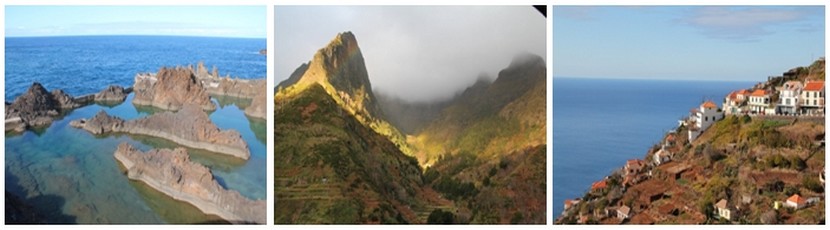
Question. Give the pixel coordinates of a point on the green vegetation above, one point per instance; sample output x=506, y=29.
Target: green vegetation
x=454, y=189
x=334, y=169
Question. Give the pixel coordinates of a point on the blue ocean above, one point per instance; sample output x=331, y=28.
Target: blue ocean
x=87, y=64
x=68, y=175
x=598, y=124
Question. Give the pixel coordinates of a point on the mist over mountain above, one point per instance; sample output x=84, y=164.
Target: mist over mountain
x=349, y=155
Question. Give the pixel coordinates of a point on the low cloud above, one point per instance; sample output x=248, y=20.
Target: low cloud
x=745, y=24
x=417, y=53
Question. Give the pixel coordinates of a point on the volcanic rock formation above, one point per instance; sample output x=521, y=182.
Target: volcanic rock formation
x=172, y=173
x=257, y=107
x=112, y=93
x=170, y=89
x=37, y=107
x=190, y=127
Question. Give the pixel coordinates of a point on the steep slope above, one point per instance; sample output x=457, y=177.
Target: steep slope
x=340, y=70
x=743, y=164
x=489, y=119
x=331, y=168
x=487, y=151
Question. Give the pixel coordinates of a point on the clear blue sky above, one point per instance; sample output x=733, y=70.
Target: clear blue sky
x=685, y=42
x=211, y=21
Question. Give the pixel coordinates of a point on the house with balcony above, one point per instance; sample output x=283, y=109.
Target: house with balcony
x=759, y=101
x=788, y=98
x=812, y=98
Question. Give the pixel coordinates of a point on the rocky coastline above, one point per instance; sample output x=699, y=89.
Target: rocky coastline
x=254, y=89
x=189, y=127
x=171, y=172
x=186, y=93
x=37, y=107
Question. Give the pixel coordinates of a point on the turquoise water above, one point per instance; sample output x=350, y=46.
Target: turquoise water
x=70, y=176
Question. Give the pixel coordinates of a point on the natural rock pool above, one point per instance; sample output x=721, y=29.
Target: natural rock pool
x=68, y=175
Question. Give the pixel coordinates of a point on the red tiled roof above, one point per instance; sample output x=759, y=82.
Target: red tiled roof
x=814, y=86
x=744, y=92
x=599, y=185
x=634, y=162
x=796, y=199
x=709, y=105
x=733, y=95
x=759, y=93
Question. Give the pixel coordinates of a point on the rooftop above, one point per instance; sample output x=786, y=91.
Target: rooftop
x=721, y=204
x=759, y=93
x=814, y=86
x=796, y=199
x=599, y=185
x=709, y=105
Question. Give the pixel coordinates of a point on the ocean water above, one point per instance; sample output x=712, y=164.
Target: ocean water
x=86, y=64
x=70, y=176
x=598, y=124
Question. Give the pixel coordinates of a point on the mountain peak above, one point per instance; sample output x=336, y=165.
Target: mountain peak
x=340, y=65
x=346, y=38
x=525, y=58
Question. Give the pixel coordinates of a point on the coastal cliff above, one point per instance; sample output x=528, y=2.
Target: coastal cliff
x=172, y=173
x=170, y=89
x=190, y=127
x=760, y=166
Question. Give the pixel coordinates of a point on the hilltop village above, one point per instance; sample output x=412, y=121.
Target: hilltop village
x=757, y=159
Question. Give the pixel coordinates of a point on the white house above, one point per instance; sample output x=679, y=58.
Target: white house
x=734, y=102
x=662, y=156
x=759, y=101
x=723, y=209
x=788, y=98
x=796, y=202
x=702, y=118
x=812, y=97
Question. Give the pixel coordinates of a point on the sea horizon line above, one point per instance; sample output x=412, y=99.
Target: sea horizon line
x=133, y=35
x=661, y=79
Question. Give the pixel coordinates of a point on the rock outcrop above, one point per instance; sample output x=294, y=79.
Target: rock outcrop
x=227, y=86
x=254, y=89
x=189, y=127
x=37, y=107
x=257, y=108
x=172, y=173
x=112, y=93
x=170, y=89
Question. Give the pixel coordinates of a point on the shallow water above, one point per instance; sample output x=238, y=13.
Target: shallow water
x=70, y=175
